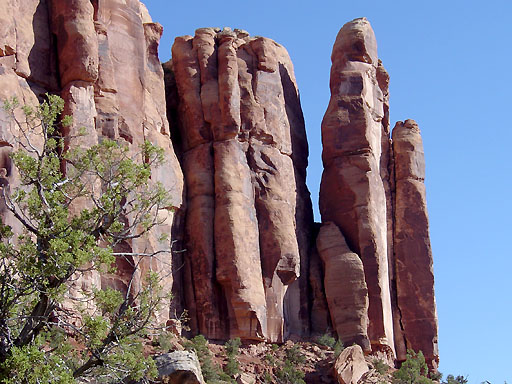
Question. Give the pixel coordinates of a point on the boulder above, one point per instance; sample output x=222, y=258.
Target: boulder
x=350, y=365
x=245, y=378
x=179, y=367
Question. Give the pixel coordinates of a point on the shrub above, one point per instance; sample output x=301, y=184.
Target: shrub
x=450, y=379
x=380, y=366
x=270, y=359
x=289, y=374
x=267, y=378
x=294, y=356
x=326, y=340
x=414, y=370
x=200, y=346
x=338, y=348
x=330, y=342
x=232, y=367
x=62, y=240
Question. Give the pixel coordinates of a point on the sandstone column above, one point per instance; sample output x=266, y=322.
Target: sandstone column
x=413, y=253
x=352, y=194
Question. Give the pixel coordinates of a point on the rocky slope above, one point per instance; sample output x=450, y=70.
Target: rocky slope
x=254, y=264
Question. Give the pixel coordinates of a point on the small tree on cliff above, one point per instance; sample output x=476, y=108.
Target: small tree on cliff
x=77, y=208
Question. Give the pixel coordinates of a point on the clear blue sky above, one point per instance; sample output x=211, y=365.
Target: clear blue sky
x=449, y=63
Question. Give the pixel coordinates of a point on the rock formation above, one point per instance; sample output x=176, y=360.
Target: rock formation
x=345, y=287
x=372, y=190
x=244, y=156
x=413, y=254
x=247, y=266
x=107, y=70
x=179, y=367
x=352, y=193
x=350, y=365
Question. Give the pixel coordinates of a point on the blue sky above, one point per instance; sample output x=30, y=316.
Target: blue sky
x=449, y=63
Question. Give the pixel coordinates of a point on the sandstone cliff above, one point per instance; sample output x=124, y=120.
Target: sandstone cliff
x=102, y=58
x=244, y=152
x=252, y=263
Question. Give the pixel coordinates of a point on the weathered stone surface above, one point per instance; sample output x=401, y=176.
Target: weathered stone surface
x=180, y=367
x=241, y=129
x=352, y=193
x=112, y=82
x=73, y=23
x=413, y=253
x=25, y=34
x=350, y=365
x=372, y=189
x=345, y=287
x=245, y=378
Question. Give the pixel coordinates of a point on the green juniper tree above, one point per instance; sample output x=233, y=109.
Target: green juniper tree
x=77, y=208
x=414, y=370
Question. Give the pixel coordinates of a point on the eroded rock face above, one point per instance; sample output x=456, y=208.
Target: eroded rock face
x=413, y=253
x=372, y=189
x=244, y=158
x=110, y=77
x=345, y=287
x=352, y=193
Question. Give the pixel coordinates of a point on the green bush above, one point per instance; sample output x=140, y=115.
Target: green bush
x=380, y=366
x=330, y=342
x=338, y=348
x=62, y=240
x=414, y=370
x=450, y=379
x=270, y=359
x=267, y=378
x=326, y=340
x=294, y=355
x=200, y=346
x=289, y=374
x=232, y=367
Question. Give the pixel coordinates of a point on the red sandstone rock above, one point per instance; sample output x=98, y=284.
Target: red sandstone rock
x=239, y=93
x=345, y=287
x=73, y=24
x=112, y=83
x=413, y=253
x=352, y=193
x=248, y=270
x=372, y=188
